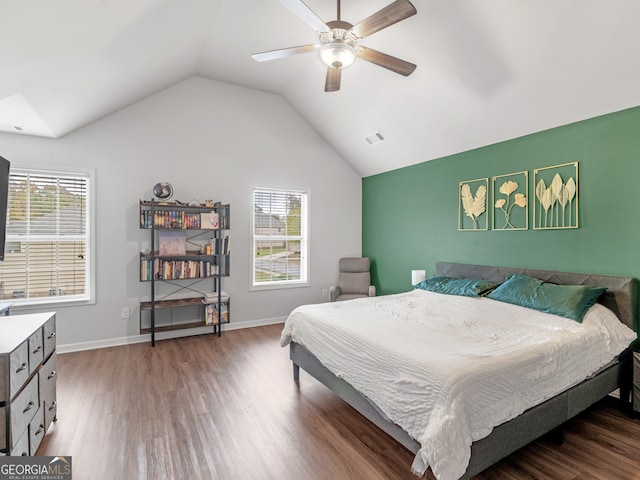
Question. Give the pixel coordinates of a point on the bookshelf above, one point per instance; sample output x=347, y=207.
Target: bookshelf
x=189, y=252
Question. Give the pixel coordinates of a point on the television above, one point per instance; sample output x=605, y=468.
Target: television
x=4, y=196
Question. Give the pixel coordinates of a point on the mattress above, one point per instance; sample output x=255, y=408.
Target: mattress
x=448, y=369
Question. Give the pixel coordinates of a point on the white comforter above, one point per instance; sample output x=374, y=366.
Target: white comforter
x=448, y=369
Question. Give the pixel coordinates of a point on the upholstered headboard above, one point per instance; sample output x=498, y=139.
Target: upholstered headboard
x=620, y=297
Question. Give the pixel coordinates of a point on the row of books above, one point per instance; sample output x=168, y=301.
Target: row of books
x=218, y=246
x=216, y=313
x=176, y=269
x=180, y=220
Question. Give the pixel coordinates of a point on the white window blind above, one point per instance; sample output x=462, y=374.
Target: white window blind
x=280, y=243
x=46, y=253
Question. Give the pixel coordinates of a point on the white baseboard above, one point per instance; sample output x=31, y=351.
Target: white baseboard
x=115, y=342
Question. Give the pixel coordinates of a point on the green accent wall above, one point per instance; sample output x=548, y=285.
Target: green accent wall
x=410, y=215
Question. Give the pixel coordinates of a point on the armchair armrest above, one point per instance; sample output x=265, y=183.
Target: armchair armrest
x=372, y=290
x=334, y=293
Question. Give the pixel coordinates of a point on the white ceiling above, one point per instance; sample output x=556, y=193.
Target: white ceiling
x=488, y=70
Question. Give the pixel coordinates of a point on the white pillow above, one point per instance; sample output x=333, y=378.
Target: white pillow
x=618, y=335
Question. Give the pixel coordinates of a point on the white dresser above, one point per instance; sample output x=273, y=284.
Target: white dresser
x=28, y=385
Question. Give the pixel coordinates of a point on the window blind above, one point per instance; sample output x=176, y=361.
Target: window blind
x=279, y=237
x=47, y=237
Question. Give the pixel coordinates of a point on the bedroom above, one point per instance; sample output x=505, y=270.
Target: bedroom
x=240, y=136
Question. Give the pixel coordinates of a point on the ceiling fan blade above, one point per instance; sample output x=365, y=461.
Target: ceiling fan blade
x=332, y=82
x=306, y=14
x=392, y=13
x=283, y=52
x=387, y=61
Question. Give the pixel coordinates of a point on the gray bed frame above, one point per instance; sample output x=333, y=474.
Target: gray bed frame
x=621, y=298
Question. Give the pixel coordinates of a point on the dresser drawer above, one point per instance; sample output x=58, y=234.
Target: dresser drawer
x=23, y=408
x=36, y=350
x=36, y=431
x=48, y=376
x=18, y=368
x=3, y=430
x=4, y=367
x=21, y=448
x=49, y=333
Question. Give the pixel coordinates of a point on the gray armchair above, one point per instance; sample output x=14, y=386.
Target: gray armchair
x=354, y=281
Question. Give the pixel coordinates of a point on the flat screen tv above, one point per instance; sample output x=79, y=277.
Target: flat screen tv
x=4, y=194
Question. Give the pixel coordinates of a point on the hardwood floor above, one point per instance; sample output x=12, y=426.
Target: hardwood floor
x=227, y=408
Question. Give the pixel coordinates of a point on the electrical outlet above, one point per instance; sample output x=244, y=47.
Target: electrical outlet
x=325, y=293
x=124, y=313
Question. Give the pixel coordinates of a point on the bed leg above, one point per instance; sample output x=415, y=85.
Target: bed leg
x=296, y=372
x=556, y=435
x=626, y=386
x=625, y=398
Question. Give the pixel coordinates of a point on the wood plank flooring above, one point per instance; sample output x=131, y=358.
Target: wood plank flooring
x=227, y=408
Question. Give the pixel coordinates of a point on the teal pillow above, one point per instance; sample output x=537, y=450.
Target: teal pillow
x=456, y=286
x=569, y=301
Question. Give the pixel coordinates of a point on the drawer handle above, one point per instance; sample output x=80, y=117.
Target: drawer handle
x=24, y=454
x=40, y=430
x=37, y=349
x=29, y=406
x=22, y=367
x=52, y=374
x=53, y=405
x=52, y=335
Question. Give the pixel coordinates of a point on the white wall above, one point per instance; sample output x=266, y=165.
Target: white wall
x=210, y=140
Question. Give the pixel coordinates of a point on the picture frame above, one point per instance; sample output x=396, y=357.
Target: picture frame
x=556, y=197
x=510, y=201
x=172, y=243
x=472, y=205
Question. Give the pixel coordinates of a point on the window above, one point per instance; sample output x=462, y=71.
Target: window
x=49, y=249
x=280, y=238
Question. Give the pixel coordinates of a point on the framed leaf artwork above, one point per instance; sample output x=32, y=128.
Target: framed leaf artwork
x=556, y=192
x=510, y=201
x=472, y=205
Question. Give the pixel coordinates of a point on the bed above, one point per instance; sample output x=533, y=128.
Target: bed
x=533, y=422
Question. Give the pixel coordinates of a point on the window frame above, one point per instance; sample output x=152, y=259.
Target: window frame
x=89, y=298
x=305, y=244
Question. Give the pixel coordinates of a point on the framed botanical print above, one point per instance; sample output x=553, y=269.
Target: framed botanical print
x=510, y=201
x=472, y=205
x=556, y=203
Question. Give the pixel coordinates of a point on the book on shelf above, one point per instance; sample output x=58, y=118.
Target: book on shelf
x=209, y=220
x=169, y=219
x=172, y=243
x=218, y=246
x=176, y=269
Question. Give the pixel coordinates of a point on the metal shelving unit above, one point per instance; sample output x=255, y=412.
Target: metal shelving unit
x=193, y=271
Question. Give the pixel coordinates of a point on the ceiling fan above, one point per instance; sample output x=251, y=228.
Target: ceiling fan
x=338, y=40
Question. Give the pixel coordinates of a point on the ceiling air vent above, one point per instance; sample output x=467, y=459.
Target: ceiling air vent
x=374, y=138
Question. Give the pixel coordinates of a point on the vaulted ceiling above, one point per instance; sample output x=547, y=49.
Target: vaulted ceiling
x=488, y=70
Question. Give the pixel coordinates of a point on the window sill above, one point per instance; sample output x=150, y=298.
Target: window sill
x=278, y=286
x=48, y=303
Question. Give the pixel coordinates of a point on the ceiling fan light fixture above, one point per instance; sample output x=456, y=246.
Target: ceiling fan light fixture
x=337, y=55
x=339, y=41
